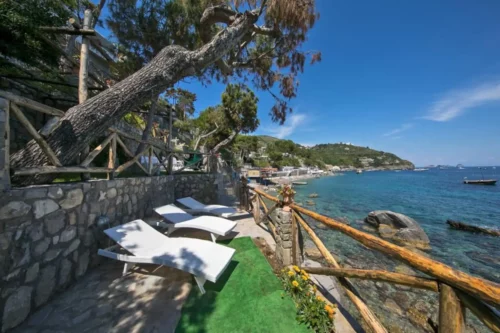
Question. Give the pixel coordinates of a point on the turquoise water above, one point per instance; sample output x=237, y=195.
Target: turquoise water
x=430, y=197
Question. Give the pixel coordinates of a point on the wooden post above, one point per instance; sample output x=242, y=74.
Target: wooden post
x=256, y=209
x=112, y=157
x=150, y=161
x=171, y=156
x=294, y=240
x=4, y=145
x=83, y=76
x=451, y=314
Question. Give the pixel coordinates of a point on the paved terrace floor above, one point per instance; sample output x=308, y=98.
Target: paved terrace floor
x=148, y=300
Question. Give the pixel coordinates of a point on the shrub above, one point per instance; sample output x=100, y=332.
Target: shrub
x=311, y=309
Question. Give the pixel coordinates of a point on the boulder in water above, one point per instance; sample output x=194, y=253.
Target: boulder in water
x=399, y=227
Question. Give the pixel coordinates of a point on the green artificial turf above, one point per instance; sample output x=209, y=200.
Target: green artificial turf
x=246, y=298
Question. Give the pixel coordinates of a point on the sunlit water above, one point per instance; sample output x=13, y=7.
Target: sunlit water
x=430, y=197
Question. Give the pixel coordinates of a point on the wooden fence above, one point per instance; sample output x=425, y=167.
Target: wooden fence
x=113, y=140
x=456, y=289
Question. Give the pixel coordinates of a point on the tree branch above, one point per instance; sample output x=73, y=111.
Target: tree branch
x=267, y=31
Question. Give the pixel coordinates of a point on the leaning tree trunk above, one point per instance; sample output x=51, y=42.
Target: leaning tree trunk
x=149, y=125
x=212, y=163
x=84, y=122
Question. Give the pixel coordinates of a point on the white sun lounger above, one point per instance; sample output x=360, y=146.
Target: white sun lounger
x=196, y=206
x=178, y=218
x=203, y=259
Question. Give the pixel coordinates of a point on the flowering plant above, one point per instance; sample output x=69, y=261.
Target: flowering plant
x=286, y=191
x=312, y=310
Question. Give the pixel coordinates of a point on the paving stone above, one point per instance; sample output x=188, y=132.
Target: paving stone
x=55, y=239
x=39, y=317
x=5, y=240
x=72, y=218
x=111, y=193
x=72, y=247
x=14, y=209
x=36, y=232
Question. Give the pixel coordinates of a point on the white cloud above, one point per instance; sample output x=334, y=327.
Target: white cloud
x=289, y=127
x=398, y=130
x=455, y=103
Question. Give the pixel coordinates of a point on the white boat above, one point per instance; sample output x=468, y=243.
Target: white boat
x=359, y=171
x=420, y=169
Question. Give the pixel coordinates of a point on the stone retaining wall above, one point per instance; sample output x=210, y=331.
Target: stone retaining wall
x=49, y=236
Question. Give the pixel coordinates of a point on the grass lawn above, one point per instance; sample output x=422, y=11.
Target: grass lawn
x=247, y=298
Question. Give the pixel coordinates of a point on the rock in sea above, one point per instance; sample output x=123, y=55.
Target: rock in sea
x=399, y=227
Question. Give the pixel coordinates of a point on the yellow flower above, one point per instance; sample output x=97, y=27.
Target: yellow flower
x=318, y=298
x=305, y=278
x=315, y=288
x=330, y=315
x=295, y=284
x=291, y=273
x=303, y=272
x=329, y=309
x=296, y=268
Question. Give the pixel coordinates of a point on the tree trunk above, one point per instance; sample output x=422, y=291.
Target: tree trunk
x=212, y=163
x=84, y=122
x=149, y=125
x=224, y=142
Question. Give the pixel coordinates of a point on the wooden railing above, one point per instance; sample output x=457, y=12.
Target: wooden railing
x=154, y=146
x=456, y=289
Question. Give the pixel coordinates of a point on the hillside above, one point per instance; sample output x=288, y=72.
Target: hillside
x=285, y=152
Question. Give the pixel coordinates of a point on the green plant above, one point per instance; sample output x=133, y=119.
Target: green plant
x=312, y=310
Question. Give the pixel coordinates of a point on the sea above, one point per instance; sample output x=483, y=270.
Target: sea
x=430, y=197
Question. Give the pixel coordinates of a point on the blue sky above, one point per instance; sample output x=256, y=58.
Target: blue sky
x=417, y=78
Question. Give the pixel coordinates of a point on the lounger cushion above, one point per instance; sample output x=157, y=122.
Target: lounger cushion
x=181, y=219
x=196, y=256
x=219, y=210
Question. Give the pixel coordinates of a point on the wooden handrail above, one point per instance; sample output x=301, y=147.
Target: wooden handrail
x=365, y=312
x=481, y=288
x=377, y=275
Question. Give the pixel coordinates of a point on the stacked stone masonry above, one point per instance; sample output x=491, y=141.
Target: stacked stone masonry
x=49, y=236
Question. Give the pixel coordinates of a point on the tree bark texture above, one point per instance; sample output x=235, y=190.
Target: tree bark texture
x=149, y=125
x=84, y=122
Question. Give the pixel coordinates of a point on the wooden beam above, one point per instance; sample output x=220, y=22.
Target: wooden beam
x=97, y=150
x=125, y=165
x=5, y=151
x=294, y=240
x=38, y=138
x=53, y=169
x=268, y=213
x=112, y=156
x=23, y=101
x=368, y=316
x=68, y=31
x=482, y=311
x=42, y=80
x=156, y=143
x=377, y=275
x=124, y=147
x=451, y=314
x=256, y=210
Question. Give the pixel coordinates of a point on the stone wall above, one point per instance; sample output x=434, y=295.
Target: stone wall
x=49, y=236
x=283, y=221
